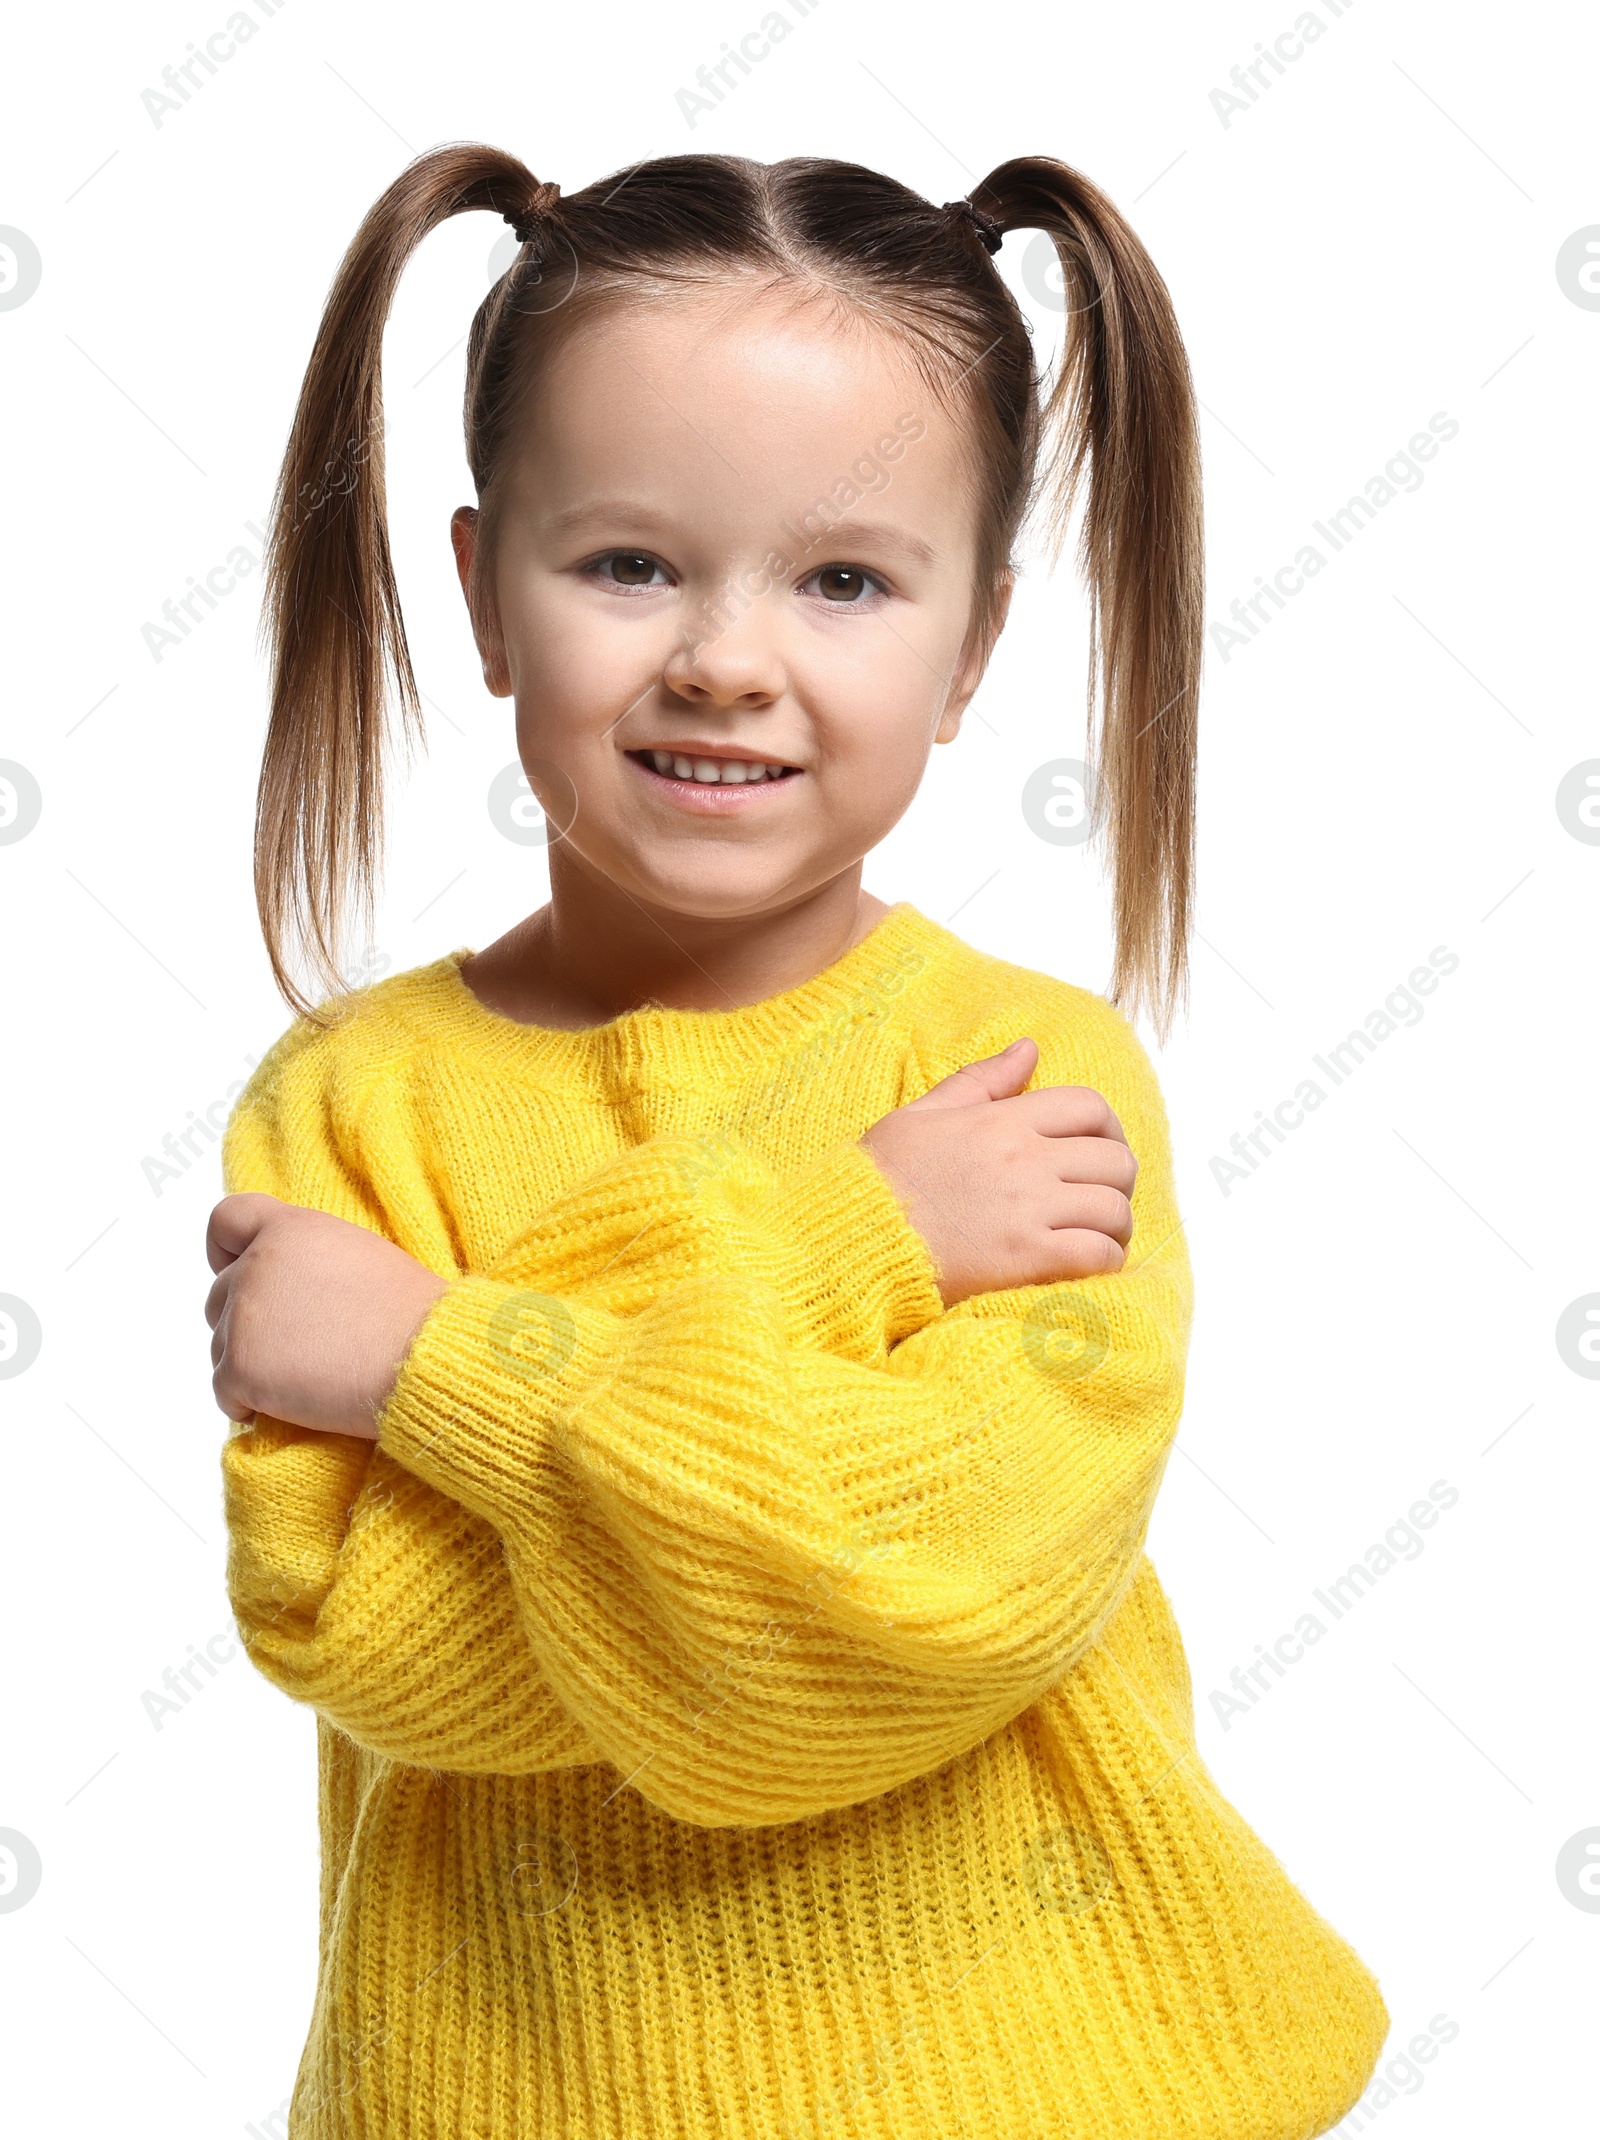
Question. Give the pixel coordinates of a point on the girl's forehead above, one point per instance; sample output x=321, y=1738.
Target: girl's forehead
x=737, y=372
x=805, y=340
x=743, y=411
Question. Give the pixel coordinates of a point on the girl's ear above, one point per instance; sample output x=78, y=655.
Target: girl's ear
x=491, y=645
x=972, y=662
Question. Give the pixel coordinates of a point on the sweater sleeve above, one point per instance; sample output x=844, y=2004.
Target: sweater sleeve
x=769, y=1577
x=358, y=1588
x=384, y=1605
x=379, y=1598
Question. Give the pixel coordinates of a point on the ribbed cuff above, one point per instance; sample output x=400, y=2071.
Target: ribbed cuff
x=856, y=1274
x=490, y=1367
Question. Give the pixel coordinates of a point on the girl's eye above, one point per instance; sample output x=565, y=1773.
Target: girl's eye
x=626, y=568
x=846, y=585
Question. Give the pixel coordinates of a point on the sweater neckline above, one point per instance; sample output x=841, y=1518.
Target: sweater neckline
x=663, y=1038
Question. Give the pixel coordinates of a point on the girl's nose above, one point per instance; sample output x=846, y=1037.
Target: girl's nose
x=728, y=660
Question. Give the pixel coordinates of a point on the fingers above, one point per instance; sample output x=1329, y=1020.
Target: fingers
x=235, y=1222
x=992, y=1077
x=216, y=1302
x=1094, y=1206
x=229, y=1404
x=1092, y=1159
x=1067, y=1111
x=1083, y=1252
x=227, y=1390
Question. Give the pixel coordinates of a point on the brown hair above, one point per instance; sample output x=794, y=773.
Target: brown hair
x=1114, y=428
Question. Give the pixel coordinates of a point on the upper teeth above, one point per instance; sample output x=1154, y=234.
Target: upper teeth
x=731, y=770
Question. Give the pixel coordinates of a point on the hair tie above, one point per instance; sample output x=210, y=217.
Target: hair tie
x=988, y=229
x=525, y=221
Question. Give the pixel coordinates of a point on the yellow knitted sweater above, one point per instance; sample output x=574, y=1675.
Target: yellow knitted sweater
x=746, y=1709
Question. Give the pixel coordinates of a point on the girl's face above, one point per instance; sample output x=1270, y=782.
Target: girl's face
x=732, y=596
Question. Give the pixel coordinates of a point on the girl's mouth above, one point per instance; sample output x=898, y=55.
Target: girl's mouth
x=715, y=784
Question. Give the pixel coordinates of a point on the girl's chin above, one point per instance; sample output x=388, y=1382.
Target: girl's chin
x=723, y=896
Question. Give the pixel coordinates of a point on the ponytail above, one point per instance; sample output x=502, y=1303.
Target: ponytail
x=331, y=609
x=1121, y=410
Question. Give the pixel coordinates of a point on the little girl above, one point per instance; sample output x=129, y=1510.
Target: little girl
x=706, y=1361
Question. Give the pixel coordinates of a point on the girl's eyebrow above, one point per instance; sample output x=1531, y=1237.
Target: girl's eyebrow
x=882, y=535
x=597, y=512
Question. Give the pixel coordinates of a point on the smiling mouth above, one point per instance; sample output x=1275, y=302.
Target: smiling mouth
x=697, y=771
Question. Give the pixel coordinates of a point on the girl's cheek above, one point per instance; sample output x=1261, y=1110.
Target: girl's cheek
x=580, y=643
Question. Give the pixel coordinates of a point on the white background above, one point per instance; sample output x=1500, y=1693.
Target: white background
x=1372, y=241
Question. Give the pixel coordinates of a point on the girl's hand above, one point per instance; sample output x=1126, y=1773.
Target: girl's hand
x=311, y=1315
x=1009, y=1187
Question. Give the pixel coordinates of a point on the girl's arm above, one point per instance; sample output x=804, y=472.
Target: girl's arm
x=768, y=1579
x=379, y=1599
x=357, y=1587
x=386, y=1606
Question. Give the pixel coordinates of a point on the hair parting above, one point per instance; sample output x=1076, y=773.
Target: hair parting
x=1110, y=435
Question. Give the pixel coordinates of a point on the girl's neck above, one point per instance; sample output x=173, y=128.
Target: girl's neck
x=595, y=952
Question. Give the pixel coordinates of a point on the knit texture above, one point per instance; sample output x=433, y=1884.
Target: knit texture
x=746, y=1708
